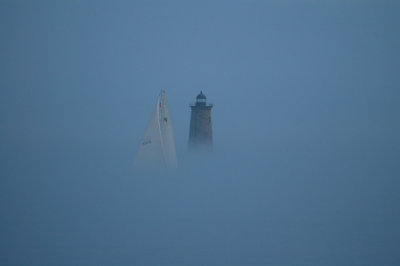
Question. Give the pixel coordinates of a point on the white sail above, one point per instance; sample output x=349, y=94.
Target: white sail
x=157, y=148
x=167, y=134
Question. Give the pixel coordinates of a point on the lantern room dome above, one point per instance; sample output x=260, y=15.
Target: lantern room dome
x=201, y=96
x=201, y=101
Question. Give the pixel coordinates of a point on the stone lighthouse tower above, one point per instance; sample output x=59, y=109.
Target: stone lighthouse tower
x=200, y=135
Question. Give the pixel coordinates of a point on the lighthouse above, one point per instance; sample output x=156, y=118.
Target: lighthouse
x=200, y=135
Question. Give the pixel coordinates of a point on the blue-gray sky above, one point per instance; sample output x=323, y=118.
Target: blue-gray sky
x=305, y=165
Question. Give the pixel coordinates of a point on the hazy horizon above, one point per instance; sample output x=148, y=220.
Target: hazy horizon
x=305, y=163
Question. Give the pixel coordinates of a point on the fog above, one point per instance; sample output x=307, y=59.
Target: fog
x=305, y=163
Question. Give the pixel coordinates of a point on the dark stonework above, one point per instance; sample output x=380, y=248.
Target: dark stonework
x=200, y=135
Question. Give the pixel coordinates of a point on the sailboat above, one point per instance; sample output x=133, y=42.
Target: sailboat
x=157, y=147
